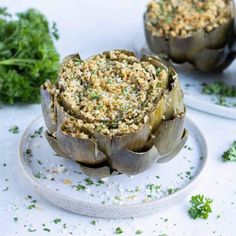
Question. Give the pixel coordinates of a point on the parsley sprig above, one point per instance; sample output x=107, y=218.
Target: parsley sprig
x=230, y=154
x=27, y=55
x=201, y=207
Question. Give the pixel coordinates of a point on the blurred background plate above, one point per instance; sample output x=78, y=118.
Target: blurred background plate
x=60, y=181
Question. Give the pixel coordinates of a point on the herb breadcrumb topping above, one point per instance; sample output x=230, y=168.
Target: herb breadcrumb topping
x=184, y=17
x=112, y=92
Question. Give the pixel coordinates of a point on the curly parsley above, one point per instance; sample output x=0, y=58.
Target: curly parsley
x=201, y=207
x=230, y=154
x=28, y=56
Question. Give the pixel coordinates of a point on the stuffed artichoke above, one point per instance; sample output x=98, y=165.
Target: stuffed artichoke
x=199, y=32
x=113, y=113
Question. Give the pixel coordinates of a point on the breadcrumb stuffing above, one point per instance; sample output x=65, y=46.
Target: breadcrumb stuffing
x=184, y=17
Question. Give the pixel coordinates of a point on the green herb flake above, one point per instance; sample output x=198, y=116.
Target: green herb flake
x=89, y=181
x=230, y=154
x=56, y=221
x=37, y=175
x=46, y=229
x=28, y=152
x=153, y=187
x=138, y=232
x=94, y=95
x=37, y=133
x=80, y=187
x=219, y=88
x=15, y=219
x=14, y=129
x=31, y=230
x=31, y=206
x=118, y=230
x=200, y=207
x=172, y=190
x=93, y=222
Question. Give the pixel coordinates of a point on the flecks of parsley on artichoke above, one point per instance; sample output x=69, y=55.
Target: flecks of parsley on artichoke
x=28, y=56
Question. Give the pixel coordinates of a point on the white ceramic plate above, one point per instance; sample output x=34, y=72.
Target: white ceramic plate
x=60, y=181
x=192, y=80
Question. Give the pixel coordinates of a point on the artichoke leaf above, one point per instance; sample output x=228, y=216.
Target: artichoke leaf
x=168, y=134
x=81, y=149
x=174, y=104
x=100, y=172
x=48, y=108
x=212, y=59
x=175, y=152
x=132, y=163
x=54, y=145
x=132, y=141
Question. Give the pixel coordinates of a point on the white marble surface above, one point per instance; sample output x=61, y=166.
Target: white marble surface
x=90, y=27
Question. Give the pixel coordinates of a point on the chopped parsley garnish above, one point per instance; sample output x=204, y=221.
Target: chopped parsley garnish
x=80, y=187
x=101, y=181
x=28, y=152
x=138, y=232
x=46, y=229
x=172, y=190
x=94, y=95
x=201, y=207
x=14, y=129
x=37, y=175
x=118, y=230
x=37, y=133
x=153, y=187
x=15, y=219
x=219, y=88
x=31, y=230
x=89, y=181
x=31, y=206
x=230, y=154
x=93, y=222
x=56, y=221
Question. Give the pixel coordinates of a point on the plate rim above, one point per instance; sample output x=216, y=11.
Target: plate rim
x=209, y=108
x=46, y=192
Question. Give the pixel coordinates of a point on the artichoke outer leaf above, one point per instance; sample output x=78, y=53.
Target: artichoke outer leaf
x=62, y=115
x=83, y=150
x=100, y=172
x=169, y=134
x=132, y=163
x=54, y=145
x=212, y=59
x=48, y=108
x=132, y=141
x=174, y=104
x=175, y=152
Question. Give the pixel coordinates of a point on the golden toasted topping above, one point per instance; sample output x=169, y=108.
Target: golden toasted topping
x=112, y=92
x=184, y=17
